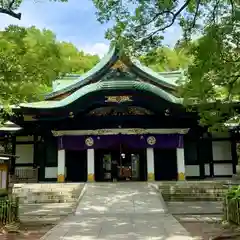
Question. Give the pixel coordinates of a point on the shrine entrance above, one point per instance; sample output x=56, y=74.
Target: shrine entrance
x=131, y=164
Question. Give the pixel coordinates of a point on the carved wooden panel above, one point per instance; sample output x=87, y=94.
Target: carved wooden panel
x=113, y=111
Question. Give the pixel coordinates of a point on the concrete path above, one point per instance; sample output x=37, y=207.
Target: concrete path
x=119, y=211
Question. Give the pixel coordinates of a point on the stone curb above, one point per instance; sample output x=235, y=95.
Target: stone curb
x=84, y=189
x=155, y=187
x=44, y=237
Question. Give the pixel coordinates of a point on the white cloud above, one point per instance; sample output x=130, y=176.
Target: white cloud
x=98, y=48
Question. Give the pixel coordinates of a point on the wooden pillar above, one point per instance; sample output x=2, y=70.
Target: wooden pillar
x=201, y=159
x=13, y=152
x=234, y=155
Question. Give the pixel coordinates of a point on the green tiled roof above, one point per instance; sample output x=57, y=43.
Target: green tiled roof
x=93, y=73
x=105, y=85
x=173, y=76
x=149, y=73
x=166, y=80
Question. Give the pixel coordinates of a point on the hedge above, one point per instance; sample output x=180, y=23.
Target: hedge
x=231, y=205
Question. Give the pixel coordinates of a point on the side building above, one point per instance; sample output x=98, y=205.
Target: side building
x=123, y=111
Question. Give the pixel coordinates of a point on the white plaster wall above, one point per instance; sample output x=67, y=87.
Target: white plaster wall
x=221, y=150
x=51, y=172
x=207, y=169
x=25, y=153
x=192, y=170
x=223, y=169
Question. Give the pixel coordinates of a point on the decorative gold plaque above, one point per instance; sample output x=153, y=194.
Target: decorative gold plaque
x=118, y=99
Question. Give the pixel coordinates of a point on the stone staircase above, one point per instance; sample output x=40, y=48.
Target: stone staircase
x=193, y=190
x=47, y=202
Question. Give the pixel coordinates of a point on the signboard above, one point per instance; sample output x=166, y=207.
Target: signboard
x=118, y=99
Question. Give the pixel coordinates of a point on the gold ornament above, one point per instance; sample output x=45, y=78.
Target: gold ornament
x=151, y=140
x=89, y=141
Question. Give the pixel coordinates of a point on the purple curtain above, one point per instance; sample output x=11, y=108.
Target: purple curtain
x=132, y=141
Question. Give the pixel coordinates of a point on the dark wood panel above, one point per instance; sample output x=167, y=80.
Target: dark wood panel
x=222, y=161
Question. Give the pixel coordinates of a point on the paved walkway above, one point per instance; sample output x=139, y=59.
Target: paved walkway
x=127, y=211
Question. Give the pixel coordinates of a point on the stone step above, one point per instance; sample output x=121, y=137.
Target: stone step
x=192, y=199
x=31, y=198
x=184, y=196
x=194, y=193
x=51, y=193
x=47, y=184
x=51, y=209
x=45, y=190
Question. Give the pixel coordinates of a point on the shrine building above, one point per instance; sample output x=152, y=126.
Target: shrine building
x=120, y=110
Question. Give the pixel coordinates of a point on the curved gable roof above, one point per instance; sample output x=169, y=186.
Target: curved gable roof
x=99, y=86
x=102, y=68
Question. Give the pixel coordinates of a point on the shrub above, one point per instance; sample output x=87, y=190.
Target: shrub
x=231, y=205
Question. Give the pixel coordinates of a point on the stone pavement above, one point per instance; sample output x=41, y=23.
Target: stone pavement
x=119, y=211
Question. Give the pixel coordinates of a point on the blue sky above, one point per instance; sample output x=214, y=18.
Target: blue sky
x=73, y=22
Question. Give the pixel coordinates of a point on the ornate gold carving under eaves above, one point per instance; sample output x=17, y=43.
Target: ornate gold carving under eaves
x=128, y=111
x=120, y=65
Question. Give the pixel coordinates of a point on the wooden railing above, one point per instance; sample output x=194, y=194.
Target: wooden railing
x=25, y=175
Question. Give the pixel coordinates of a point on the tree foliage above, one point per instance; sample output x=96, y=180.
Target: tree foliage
x=166, y=59
x=140, y=24
x=31, y=59
x=10, y=7
x=213, y=75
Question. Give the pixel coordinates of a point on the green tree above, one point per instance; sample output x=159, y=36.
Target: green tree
x=141, y=24
x=10, y=7
x=213, y=78
x=31, y=59
x=213, y=75
x=75, y=61
x=166, y=59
